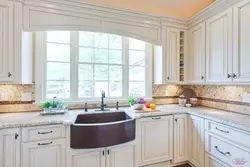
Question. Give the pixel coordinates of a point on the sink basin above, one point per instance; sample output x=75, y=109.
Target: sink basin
x=98, y=130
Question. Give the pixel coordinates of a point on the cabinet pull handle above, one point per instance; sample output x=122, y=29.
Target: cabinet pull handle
x=221, y=152
x=202, y=77
x=176, y=119
x=228, y=76
x=168, y=78
x=44, y=133
x=9, y=74
x=103, y=152
x=16, y=135
x=43, y=144
x=224, y=131
x=108, y=151
x=234, y=75
x=156, y=118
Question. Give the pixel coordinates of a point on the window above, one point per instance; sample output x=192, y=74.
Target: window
x=77, y=66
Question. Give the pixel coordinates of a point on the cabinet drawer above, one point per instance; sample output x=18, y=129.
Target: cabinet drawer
x=43, y=133
x=233, y=134
x=211, y=161
x=226, y=151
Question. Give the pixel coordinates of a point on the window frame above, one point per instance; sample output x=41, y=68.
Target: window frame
x=40, y=71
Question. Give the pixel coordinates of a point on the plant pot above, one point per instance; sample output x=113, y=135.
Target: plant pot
x=137, y=106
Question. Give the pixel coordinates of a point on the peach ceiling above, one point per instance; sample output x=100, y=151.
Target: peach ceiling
x=175, y=8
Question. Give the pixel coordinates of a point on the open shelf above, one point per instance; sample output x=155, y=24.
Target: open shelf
x=182, y=55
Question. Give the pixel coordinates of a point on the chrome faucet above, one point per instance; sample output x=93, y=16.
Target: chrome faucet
x=102, y=103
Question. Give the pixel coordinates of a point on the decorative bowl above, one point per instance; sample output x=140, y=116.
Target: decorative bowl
x=137, y=106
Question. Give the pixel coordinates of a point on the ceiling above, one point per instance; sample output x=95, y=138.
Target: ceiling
x=175, y=8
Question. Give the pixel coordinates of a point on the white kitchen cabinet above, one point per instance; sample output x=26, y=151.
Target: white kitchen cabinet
x=180, y=138
x=15, y=46
x=197, y=57
x=121, y=156
x=156, y=139
x=241, y=58
x=211, y=161
x=196, y=146
x=10, y=148
x=172, y=53
x=6, y=41
x=93, y=158
x=49, y=153
x=219, y=48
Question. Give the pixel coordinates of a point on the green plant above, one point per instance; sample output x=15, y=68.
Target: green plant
x=132, y=101
x=46, y=104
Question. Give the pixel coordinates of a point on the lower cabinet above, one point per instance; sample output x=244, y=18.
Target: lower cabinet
x=116, y=156
x=10, y=148
x=156, y=139
x=210, y=161
x=49, y=153
x=196, y=146
x=180, y=138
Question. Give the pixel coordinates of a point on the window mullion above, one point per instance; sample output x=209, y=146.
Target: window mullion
x=125, y=55
x=74, y=66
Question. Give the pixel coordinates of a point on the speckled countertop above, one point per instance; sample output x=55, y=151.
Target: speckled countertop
x=12, y=120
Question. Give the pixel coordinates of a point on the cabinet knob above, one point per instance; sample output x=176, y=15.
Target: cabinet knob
x=176, y=119
x=228, y=76
x=202, y=77
x=168, y=78
x=234, y=75
x=9, y=74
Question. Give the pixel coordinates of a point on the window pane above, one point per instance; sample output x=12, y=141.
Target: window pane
x=85, y=89
x=136, y=44
x=59, y=89
x=58, y=36
x=136, y=89
x=101, y=72
x=115, y=57
x=101, y=40
x=136, y=73
x=58, y=71
x=137, y=58
x=86, y=54
x=115, y=73
x=99, y=87
x=86, y=39
x=58, y=52
x=101, y=56
x=115, y=89
x=85, y=72
x=115, y=42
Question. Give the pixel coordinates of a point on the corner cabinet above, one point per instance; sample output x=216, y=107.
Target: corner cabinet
x=156, y=139
x=219, y=47
x=6, y=41
x=196, y=141
x=197, y=54
x=241, y=58
x=10, y=148
x=180, y=138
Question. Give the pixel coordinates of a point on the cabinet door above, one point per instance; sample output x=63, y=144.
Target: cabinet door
x=121, y=156
x=49, y=153
x=196, y=141
x=173, y=55
x=211, y=161
x=180, y=138
x=219, y=48
x=157, y=139
x=197, y=54
x=93, y=158
x=6, y=41
x=241, y=58
x=10, y=148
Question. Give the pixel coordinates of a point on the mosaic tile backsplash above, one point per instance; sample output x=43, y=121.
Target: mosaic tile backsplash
x=226, y=97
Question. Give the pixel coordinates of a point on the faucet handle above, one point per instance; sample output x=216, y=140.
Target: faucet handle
x=117, y=106
x=86, y=107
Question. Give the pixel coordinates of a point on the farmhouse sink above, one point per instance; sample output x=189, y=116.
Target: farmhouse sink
x=98, y=130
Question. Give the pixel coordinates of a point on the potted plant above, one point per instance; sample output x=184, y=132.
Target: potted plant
x=137, y=104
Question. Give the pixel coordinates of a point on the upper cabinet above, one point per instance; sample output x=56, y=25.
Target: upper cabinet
x=6, y=41
x=241, y=41
x=15, y=46
x=196, y=45
x=219, y=48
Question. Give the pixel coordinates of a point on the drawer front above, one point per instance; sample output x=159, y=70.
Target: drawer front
x=226, y=151
x=211, y=161
x=43, y=133
x=236, y=135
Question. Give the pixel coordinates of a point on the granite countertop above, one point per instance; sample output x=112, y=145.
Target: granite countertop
x=13, y=120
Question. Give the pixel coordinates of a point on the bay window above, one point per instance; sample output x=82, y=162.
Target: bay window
x=77, y=66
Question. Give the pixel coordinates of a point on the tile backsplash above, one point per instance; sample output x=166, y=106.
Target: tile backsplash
x=227, y=97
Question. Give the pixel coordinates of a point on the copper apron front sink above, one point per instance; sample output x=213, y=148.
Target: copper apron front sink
x=101, y=130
